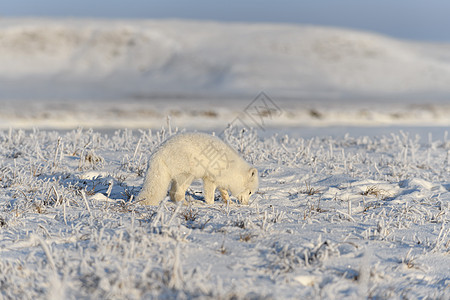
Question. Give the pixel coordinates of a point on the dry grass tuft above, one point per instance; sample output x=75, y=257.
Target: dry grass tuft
x=190, y=214
x=377, y=192
x=245, y=237
x=309, y=190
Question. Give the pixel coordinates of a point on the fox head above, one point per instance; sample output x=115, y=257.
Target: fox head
x=247, y=187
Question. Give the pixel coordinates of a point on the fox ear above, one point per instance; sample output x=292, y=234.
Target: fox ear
x=253, y=172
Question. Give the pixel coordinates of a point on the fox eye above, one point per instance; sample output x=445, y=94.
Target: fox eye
x=249, y=193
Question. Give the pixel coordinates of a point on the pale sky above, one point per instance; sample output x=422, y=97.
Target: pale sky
x=410, y=19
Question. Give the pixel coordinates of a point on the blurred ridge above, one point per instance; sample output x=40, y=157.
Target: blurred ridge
x=141, y=59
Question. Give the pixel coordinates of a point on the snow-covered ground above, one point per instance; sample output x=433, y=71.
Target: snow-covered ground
x=215, y=113
x=334, y=218
x=350, y=140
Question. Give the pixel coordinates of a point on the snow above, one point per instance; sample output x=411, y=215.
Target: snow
x=216, y=112
x=127, y=59
x=350, y=140
x=110, y=74
x=345, y=217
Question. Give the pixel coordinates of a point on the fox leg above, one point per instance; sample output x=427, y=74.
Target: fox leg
x=224, y=194
x=173, y=190
x=179, y=186
x=209, y=188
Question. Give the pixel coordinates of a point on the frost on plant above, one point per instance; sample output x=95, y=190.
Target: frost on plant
x=347, y=217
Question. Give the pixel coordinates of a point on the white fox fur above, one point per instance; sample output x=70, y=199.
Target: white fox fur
x=189, y=156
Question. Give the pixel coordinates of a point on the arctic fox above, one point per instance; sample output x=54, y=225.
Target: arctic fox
x=189, y=156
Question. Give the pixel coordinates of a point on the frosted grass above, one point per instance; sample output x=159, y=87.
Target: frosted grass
x=335, y=217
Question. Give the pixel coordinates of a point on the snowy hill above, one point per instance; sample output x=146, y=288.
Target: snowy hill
x=147, y=58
